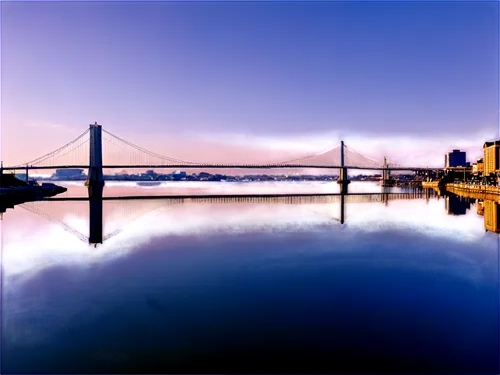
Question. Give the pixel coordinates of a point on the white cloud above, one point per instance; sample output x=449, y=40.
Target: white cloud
x=424, y=150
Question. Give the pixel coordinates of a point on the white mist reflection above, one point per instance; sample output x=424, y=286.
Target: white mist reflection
x=79, y=224
x=429, y=219
x=177, y=220
x=54, y=244
x=50, y=244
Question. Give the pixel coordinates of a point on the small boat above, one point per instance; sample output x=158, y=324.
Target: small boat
x=149, y=183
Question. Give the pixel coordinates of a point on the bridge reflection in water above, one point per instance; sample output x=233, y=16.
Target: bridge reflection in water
x=139, y=206
x=95, y=216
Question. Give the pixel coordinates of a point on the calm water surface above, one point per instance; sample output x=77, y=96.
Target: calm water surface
x=204, y=287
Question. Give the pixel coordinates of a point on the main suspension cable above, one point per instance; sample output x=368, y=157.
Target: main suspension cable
x=46, y=156
x=147, y=151
x=365, y=157
x=310, y=156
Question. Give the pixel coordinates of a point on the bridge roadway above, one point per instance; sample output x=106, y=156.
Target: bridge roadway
x=265, y=198
x=220, y=166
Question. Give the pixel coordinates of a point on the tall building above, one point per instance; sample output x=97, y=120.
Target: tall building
x=491, y=157
x=478, y=168
x=456, y=158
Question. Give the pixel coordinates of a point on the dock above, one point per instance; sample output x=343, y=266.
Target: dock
x=433, y=184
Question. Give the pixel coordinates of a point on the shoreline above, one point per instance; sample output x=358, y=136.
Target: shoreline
x=475, y=191
x=474, y=188
x=11, y=196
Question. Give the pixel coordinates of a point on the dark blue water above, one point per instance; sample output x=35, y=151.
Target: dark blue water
x=402, y=288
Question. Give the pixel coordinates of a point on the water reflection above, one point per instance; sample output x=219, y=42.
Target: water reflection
x=250, y=284
x=128, y=221
x=455, y=205
x=458, y=202
x=131, y=221
x=96, y=201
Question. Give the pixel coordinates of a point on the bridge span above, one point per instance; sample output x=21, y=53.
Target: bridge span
x=76, y=154
x=217, y=166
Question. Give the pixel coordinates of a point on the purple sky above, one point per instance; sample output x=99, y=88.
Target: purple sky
x=410, y=80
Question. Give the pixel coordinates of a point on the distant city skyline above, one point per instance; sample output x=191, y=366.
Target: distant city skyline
x=252, y=81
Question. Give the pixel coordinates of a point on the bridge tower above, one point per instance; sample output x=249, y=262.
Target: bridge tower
x=386, y=175
x=343, y=179
x=95, y=176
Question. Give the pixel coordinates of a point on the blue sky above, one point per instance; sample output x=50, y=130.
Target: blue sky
x=257, y=73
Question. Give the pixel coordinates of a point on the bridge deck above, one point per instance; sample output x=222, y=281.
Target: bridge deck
x=220, y=166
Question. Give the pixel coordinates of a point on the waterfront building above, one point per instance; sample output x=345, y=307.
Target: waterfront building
x=478, y=168
x=178, y=175
x=63, y=174
x=491, y=157
x=456, y=158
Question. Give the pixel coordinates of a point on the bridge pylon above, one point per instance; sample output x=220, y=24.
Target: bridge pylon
x=95, y=176
x=343, y=178
x=386, y=175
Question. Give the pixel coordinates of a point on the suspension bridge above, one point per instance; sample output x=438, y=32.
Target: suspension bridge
x=89, y=149
x=108, y=216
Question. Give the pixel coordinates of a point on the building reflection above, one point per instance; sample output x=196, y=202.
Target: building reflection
x=456, y=205
x=490, y=213
x=480, y=208
x=488, y=208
